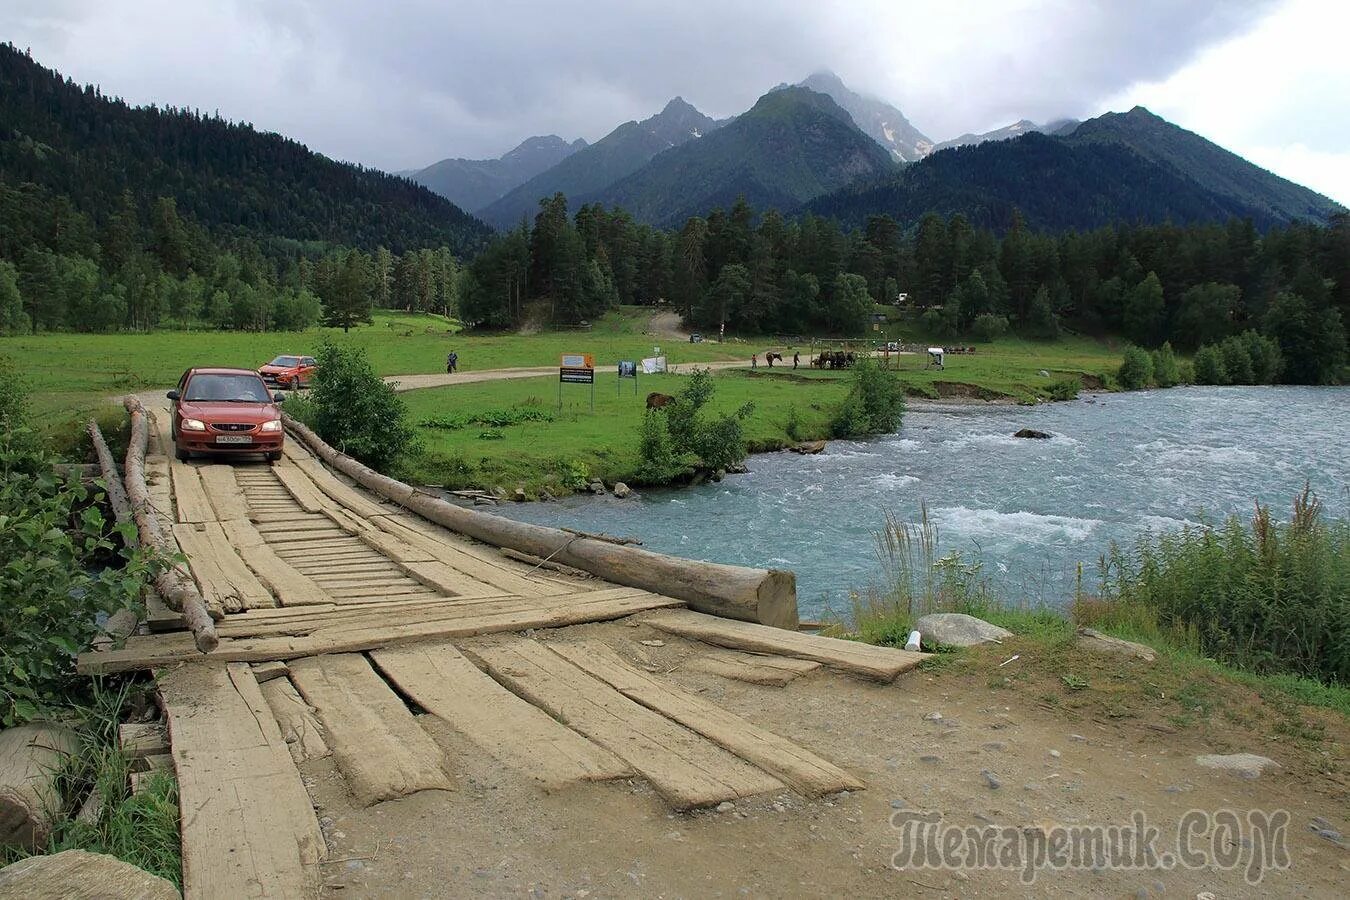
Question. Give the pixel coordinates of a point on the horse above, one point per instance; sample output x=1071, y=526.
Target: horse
x=657, y=400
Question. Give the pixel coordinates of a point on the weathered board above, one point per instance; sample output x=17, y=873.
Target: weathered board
x=223, y=492
x=299, y=728
x=248, y=826
x=752, y=668
x=510, y=730
x=865, y=660
x=797, y=767
x=217, y=568
x=377, y=744
x=685, y=768
x=290, y=586
x=188, y=495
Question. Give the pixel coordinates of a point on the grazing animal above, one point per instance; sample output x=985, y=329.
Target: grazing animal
x=772, y=358
x=659, y=401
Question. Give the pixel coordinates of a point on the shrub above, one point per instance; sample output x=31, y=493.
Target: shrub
x=1209, y=366
x=1166, y=372
x=1268, y=596
x=987, y=327
x=659, y=463
x=355, y=411
x=714, y=443
x=1064, y=389
x=793, y=425
x=1237, y=362
x=1265, y=357
x=56, y=578
x=875, y=402
x=1136, y=370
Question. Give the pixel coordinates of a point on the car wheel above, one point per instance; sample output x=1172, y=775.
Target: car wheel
x=274, y=456
x=295, y=383
x=181, y=454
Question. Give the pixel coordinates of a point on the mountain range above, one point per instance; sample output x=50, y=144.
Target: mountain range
x=474, y=183
x=1008, y=132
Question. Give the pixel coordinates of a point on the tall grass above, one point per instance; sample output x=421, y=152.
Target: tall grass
x=1262, y=595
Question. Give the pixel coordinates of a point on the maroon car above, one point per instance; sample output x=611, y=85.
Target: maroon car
x=225, y=411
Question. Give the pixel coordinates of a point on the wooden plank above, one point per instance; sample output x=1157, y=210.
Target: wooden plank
x=473, y=567
x=264, y=672
x=335, y=489
x=188, y=495
x=447, y=621
x=222, y=491
x=290, y=587
x=158, y=615
x=685, y=768
x=248, y=827
x=377, y=744
x=510, y=730
x=295, y=718
x=298, y=522
x=217, y=568
x=865, y=660
x=752, y=668
x=797, y=767
x=299, y=487
x=140, y=739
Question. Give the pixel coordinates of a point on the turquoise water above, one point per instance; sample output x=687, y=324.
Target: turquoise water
x=1028, y=510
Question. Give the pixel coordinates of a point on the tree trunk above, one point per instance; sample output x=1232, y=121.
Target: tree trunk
x=31, y=757
x=768, y=597
x=174, y=585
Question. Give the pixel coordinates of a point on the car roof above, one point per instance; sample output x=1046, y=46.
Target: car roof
x=215, y=370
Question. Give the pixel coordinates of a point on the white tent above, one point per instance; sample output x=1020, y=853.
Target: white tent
x=935, y=355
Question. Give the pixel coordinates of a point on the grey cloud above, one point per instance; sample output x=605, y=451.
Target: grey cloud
x=399, y=84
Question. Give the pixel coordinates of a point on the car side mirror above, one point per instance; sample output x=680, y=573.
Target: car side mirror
x=174, y=395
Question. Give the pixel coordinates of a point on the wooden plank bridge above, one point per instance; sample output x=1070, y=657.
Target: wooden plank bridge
x=344, y=620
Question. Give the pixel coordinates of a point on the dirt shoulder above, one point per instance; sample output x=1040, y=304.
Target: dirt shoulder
x=1015, y=745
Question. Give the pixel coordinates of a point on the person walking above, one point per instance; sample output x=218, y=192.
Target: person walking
x=451, y=362
x=754, y=360
x=796, y=358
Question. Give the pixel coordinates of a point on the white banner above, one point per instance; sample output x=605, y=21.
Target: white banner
x=653, y=364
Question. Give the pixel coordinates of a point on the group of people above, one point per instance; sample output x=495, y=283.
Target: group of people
x=770, y=356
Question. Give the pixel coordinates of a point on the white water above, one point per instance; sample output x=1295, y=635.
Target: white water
x=1028, y=510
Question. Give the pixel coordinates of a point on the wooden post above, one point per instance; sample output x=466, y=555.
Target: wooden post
x=174, y=585
x=768, y=597
x=31, y=758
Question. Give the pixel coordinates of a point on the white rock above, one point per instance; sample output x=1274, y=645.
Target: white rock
x=958, y=630
x=1248, y=765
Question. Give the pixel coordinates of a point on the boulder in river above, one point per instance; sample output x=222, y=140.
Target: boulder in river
x=958, y=630
x=809, y=448
x=622, y=490
x=1032, y=433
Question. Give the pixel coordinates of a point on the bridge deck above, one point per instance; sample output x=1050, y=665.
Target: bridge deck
x=363, y=599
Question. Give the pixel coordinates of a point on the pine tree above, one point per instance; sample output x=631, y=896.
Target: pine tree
x=348, y=302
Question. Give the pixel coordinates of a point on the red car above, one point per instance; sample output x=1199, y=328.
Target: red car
x=290, y=372
x=225, y=411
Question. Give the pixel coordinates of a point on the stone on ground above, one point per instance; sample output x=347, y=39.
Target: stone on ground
x=958, y=630
x=1248, y=765
x=1104, y=643
x=621, y=490
x=1032, y=433
x=80, y=875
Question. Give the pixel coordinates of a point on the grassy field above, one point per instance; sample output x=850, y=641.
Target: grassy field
x=71, y=374
x=556, y=453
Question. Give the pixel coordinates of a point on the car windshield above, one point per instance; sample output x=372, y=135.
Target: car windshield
x=287, y=361
x=227, y=389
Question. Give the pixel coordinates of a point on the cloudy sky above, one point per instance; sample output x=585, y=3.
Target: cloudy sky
x=402, y=83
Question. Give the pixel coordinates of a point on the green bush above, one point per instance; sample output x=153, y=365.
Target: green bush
x=1166, y=371
x=494, y=418
x=792, y=427
x=355, y=411
x=1209, y=366
x=692, y=438
x=1265, y=357
x=1268, y=596
x=660, y=463
x=1136, y=369
x=875, y=403
x=62, y=567
x=1237, y=361
x=988, y=328
x=1064, y=389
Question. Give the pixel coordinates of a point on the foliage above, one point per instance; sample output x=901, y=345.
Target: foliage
x=1312, y=341
x=1064, y=389
x=713, y=441
x=1136, y=370
x=355, y=411
x=659, y=462
x=496, y=418
x=1210, y=367
x=1166, y=371
x=875, y=403
x=1265, y=595
x=988, y=327
x=792, y=425
x=64, y=564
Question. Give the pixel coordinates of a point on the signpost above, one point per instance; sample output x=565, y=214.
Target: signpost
x=577, y=368
x=627, y=369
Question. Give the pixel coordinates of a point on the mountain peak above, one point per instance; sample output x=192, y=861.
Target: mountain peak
x=678, y=106
x=875, y=118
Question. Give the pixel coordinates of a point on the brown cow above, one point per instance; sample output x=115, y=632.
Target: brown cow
x=659, y=401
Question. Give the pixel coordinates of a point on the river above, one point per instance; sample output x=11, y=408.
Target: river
x=1027, y=510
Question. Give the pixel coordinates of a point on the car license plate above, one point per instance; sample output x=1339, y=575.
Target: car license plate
x=234, y=439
